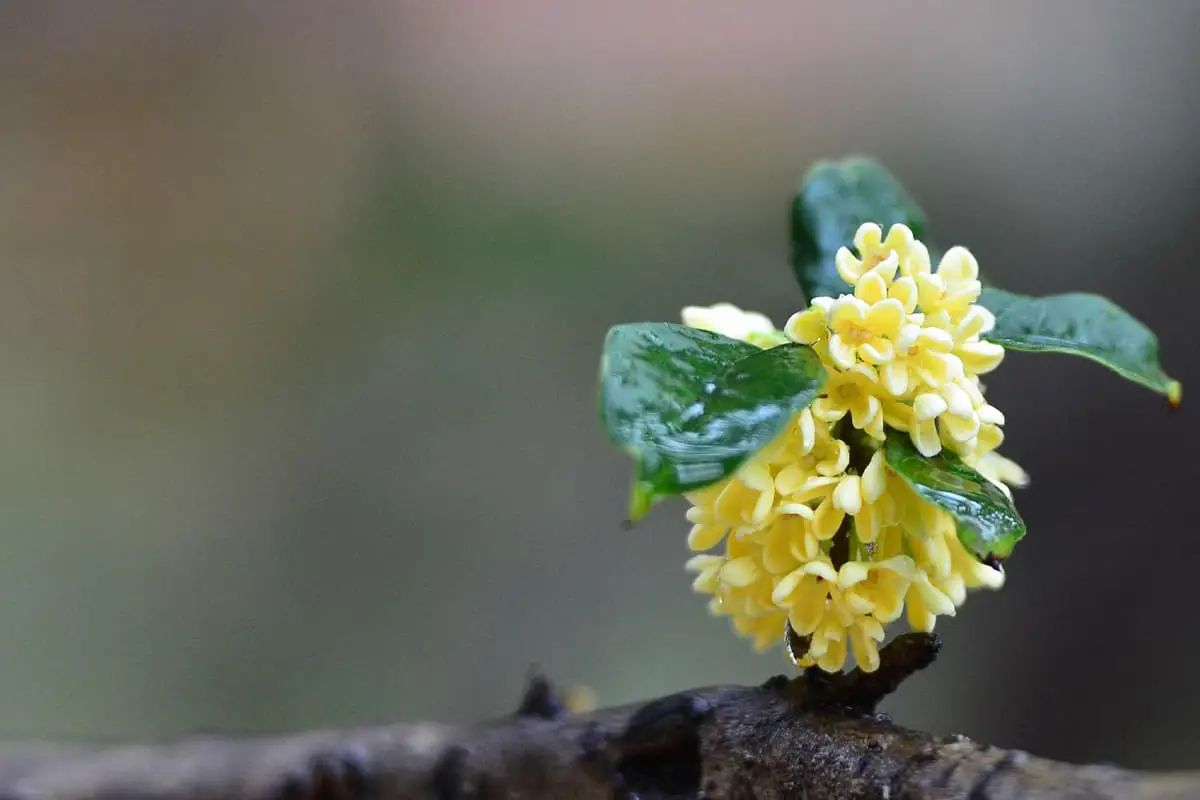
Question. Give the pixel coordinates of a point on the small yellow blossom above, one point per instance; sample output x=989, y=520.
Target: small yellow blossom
x=812, y=324
x=903, y=351
x=900, y=247
x=864, y=332
x=729, y=320
x=854, y=392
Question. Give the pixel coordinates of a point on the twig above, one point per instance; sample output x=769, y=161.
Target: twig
x=811, y=737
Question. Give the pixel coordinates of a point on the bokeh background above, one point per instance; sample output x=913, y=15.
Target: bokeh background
x=300, y=315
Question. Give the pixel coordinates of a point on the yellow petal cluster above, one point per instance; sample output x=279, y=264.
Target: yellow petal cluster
x=902, y=351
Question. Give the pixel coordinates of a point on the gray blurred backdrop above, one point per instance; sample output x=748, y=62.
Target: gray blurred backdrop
x=301, y=305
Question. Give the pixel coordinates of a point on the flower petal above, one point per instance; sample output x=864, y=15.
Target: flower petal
x=917, y=262
x=897, y=415
x=849, y=268
x=868, y=237
x=935, y=339
x=755, y=474
x=878, y=351
x=763, y=506
x=706, y=582
x=827, y=409
x=848, y=310
x=848, y=494
x=866, y=651
x=740, y=572
x=853, y=572
x=887, y=267
x=976, y=321
x=933, y=598
x=925, y=438
x=806, y=326
x=990, y=414
x=871, y=287
x=904, y=290
x=930, y=289
x=814, y=486
x=958, y=266
x=928, y=405
x=959, y=429
x=894, y=376
x=907, y=338
x=777, y=553
x=958, y=402
x=874, y=477
x=867, y=524
x=827, y=519
x=790, y=478
x=822, y=569
x=705, y=537
x=834, y=658
x=864, y=411
x=808, y=431
x=841, y=352
x=899, y=238
x=836, y=465
x=885, y=318
x=980, y=357
x=874, y=428
x=704, y=563
x=919, y=618
x=796, y=510
x=990, y=437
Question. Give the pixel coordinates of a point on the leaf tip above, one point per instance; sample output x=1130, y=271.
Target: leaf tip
x=641, y=499
x=1174, y=394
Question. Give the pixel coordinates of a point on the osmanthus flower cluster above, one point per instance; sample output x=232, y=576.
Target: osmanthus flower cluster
x=843, y=470
x=902, y=352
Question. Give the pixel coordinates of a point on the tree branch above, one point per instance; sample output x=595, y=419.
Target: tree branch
x=815, y=736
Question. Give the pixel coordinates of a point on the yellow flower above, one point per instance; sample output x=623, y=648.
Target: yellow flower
x=999, y=470
x=877, y=508
x=810, y=325
x=854, y=392
x=831, y=606
x=951, y=408
x=926, y=355
x=729, y=320
x=862, y=331
x=741, y=589
x=952, y=289
x=903, y=351
x=899, y=246
x=777, y=567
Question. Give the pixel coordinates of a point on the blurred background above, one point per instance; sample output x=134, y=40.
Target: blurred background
x=301, y=308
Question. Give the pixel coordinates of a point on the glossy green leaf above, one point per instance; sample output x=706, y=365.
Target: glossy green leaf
x=1080, y=324
x=690, y=406
x=988, y=523
x=835, y=198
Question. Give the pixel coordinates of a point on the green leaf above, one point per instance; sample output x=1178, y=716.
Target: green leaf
x=835, y=198
x=1084, y=325
x=691, y=406
x=988, y=523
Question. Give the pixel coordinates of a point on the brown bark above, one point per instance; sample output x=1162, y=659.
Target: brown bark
x=815, y=736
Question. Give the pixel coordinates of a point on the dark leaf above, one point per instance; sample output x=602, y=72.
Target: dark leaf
x=835, y=198
x=988, y=523
x=691, y=406
x=1080, y=324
